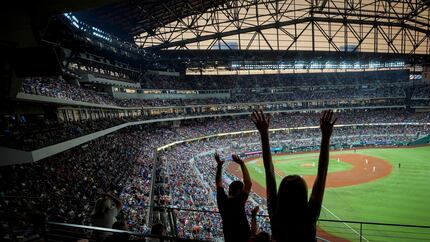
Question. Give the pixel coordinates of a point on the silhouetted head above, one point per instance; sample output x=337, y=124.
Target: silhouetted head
x=292, y=195
x=103, y=205
x=235, y=188
x=261, y=237
x=157, y=229
x=120, y=225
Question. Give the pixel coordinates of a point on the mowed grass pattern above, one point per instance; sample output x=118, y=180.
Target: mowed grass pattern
x=401, y=197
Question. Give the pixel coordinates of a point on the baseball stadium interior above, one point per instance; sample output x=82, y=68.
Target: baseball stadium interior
x=128, y=120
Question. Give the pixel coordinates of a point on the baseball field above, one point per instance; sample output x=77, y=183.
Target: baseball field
x=382, y=185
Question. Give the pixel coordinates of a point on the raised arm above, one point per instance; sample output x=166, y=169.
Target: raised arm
x=218, y=176
x=262, y=122
x=254, y=225
x=245, y=173
x=326, y=125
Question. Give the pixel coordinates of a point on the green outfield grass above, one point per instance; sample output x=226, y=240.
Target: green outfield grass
x=401, y=197
x=292, y=164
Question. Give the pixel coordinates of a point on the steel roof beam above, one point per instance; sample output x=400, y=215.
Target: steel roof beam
x=290, y=22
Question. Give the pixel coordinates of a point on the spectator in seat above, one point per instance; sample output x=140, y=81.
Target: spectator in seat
x=104, y=214
x=292, y=216
x=157, y=229
x=232, y=207
x=119, y=237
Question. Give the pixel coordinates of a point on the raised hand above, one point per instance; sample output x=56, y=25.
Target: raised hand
x=218, y=179
x=326, y=123
x=237, y=159
x=218, y=160
x=254, y=226
x=261, y=121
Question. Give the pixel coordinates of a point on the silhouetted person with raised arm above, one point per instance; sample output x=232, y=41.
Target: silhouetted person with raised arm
x=232, y=207
x=256, y=235
x=292, y=216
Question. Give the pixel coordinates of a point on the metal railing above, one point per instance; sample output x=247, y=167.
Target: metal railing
x=210, y=227
x=55, y=231
x=373, y=231
x=328, y=229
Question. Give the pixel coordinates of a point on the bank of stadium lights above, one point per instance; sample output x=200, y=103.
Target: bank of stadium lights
x=318, y=65
x=101, y=34
x=84, y=27
x=73, y=20
x=415, y=77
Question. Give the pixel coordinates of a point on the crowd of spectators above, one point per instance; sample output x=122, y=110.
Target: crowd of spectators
x=34, y=134
x=59, y=88
x=112, y=76
x=154, y=81
x=420, y=102
x=389, y=86
x=65, y=186
x=207, y=82
x=421, y=92
x=20, y=133
x=320, y=94
x=249, y=96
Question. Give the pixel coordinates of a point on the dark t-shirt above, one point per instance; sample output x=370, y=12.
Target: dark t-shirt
x=232, y=210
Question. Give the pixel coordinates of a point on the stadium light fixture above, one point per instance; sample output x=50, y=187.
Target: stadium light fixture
x=317, y=65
